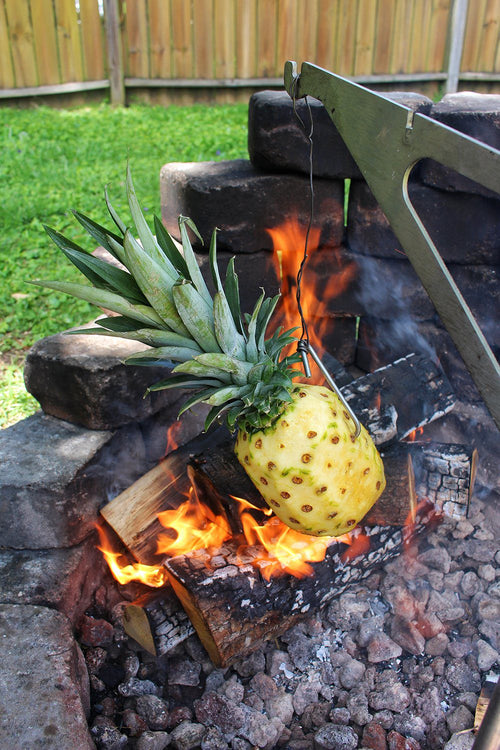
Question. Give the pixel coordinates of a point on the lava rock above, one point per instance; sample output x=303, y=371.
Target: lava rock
x=374, y=736
x=153, y=741
x=382, y=648
x=335, y=737
x=187, y=736
x=96, y=632
x=154, y=711
x=216, y=710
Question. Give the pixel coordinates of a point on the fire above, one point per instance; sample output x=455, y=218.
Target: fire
x=150, y=575
x=326, y=276
x=190, y=527
x=412, y=436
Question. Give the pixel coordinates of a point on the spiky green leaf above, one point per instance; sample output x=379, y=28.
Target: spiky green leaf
x=236, y=367
x=252, y=351
x=232, y=292
x=196, y=315
x=105, y=300
x=203, y=371
x=170, y=249
x=194, y=270
x=119, y=223
x=163, y=355
x=98, y=232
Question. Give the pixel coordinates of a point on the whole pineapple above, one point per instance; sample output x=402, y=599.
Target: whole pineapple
x=296, y=442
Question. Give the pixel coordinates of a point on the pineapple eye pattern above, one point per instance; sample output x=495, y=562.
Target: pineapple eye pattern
x=297, y=480
x=335, y=439
x=311, y=434
x=263, y=480
x=306, y=458
x=275, y=503
x=321, y=490
x=285, y=495
x=258, y=443
x=306, y=508
x=293, y=520
x=271, y=466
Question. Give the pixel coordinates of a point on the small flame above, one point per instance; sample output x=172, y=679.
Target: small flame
x=359, y=544
x=172, y=435
x=412, y=436
x=150, y=575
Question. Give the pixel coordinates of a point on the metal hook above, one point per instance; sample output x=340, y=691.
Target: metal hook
x=305, y=348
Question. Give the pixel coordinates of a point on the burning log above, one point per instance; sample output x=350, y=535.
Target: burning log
x=396, y=399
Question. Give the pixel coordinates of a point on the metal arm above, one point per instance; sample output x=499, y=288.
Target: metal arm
x=386, y=140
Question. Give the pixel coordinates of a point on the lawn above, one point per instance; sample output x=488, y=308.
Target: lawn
x=54, y=160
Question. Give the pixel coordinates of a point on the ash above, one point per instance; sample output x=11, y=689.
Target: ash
x=395, y=663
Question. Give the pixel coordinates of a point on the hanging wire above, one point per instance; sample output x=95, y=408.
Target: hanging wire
x=303, y=345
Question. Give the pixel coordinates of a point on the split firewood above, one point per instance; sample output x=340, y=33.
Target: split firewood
x=396, y=399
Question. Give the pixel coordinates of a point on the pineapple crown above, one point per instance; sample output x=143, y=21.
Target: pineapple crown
x=161, y=299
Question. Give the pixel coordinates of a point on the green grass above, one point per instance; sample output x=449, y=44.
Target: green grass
x=54, y=160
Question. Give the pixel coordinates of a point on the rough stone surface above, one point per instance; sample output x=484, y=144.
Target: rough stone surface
x=50, y=486
x=82, y=379
x=277, y=140
x=465, y=228
x=244, y=202
x=43, y=696
x=63, y=579
x=476, y=115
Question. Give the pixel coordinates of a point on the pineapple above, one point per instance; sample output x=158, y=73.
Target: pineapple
x=296, y=442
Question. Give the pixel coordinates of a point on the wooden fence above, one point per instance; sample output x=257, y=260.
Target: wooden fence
x=56, y=46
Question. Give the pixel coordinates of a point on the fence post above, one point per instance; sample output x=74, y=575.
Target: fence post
x=115, y=57
x=458, y=21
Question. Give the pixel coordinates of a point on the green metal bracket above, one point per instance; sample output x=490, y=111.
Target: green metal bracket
x=386, y=140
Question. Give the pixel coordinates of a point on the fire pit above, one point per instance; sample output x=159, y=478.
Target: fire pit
x=378, y=648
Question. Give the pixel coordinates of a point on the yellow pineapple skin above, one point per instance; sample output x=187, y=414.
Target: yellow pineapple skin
x=312, y=472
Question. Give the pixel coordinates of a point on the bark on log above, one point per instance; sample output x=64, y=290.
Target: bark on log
x=396, y=399
x=234, y=608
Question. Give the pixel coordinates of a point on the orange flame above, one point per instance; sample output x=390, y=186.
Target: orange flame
x=190, y=527
x=278, y=549
x=150, y=575
x=359, y=544
x=412, y=436
x=326, y=276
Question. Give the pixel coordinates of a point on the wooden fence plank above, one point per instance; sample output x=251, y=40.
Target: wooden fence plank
x=136, y=25
x=203, y=32
x=246, y=38
x=44, y=36
x=401, y=36
x=346, y=37
x=68, y=39
x=472, y=38
x=286, y=39
x=182, y=39
x=307, y=27
x=224, y=39
x=490, y=38
x=7, y=80
x=384, y=32
x=327, y=33
x=21, y=40
x=418, y=47
x=437, y=36
x=365, y=37
x=92, y=33
x=267, y=64
x=160, y=32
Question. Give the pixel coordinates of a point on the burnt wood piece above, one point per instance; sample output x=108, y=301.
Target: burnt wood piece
x=133, y=514
x=234, y=608
x=396, y=399
x=158, y=622
x=441, y=473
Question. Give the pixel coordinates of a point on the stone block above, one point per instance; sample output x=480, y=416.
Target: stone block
x=465, y=228
x=82, y=379
x=476, y=115
x=244, y=202
x=56, y=475
x=44, y=690
x=277, y=141
x=62, y=579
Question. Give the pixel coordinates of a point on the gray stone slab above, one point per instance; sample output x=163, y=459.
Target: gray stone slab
x=56, y=476
x=244, y=202
x=476, y=115
x=465, y=228
x=277, y=140
x=83, y=380
x=62, y=579
x=50, y=484
x=44, y=691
